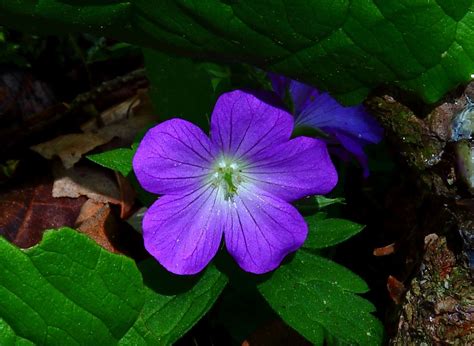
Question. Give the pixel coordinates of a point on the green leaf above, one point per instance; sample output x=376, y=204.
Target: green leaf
x=121, y=160
x=346, y=47
x=180, y=88
x=117, y=159
x=9, y=338
x=67, y=289
x=329, y=232
x=316, y=297
x=323, y=201
x=166, y=316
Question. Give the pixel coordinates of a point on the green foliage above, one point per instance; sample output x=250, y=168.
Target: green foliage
x=9, y=338
x=69, y=290
x=317, y=297
x=100, y=51
x=323, y=201
x=345, y=47
x=328, y=232
x=16, y=51
x=119, y=160
x=180, y=88
x=167, y=316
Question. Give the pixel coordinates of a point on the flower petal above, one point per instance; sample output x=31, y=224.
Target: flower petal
x=174, y=156
x=293, y=170
x=262, y=230
x=324, y=113
x=242, y=124
x=302, y=95
x=355, y=147
x=279, y=84
x=184, y=232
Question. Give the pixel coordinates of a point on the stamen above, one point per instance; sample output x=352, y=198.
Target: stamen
x=227, y=175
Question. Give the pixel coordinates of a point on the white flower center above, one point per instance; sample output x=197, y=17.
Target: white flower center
x=227, y=175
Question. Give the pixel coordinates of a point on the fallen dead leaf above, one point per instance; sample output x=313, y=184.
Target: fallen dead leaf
x=396, y=289
x=385, y=250
x=122, y=121
x=127, y=196
x=93, y=182
x=27, y=210
x=96, y=221
x=70, y=148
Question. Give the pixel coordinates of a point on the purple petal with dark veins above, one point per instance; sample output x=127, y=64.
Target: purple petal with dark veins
x=243, y=125
x=184, y=232
x=173, y=157
x=293, y=170
x=262, y=229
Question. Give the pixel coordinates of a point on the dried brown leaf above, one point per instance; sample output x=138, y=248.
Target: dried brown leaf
x=385, y=250
x=122, y=121
x=127, y=196
x=26, y=211
x=70, y=148
x=96, y=220
x=99, y=222
x=93, y=182
x=396, y=289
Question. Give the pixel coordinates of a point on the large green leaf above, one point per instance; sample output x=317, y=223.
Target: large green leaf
x=316, y=297
x=167, y=315
x=68, y=290
x=346, y=47
x=180, y=88
x=9, y=338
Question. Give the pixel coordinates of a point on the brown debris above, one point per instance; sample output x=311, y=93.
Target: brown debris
x=96, y=221
x=122, y=121
x=439, y=305
x=92, y=182
x=95, y=183
x=385, y=250
x=70, y=148
x=396, y=289
x=275, y=333
x=127, y=196
x=28, y=210
x=31, y=108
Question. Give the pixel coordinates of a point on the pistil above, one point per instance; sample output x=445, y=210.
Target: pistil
x=227, y=175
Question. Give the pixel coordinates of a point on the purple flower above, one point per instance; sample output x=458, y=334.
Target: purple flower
x=238, y=182
x=352, y=127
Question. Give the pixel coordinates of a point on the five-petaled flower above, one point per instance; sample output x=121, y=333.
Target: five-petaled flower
x=238, y=182
x=352, y=127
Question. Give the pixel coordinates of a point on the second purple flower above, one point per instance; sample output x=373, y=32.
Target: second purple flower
x=238, y=183
x=351, y=127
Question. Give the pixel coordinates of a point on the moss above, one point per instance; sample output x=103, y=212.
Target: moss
x=420, y=147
